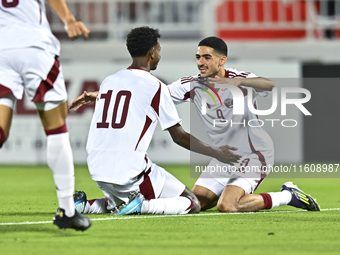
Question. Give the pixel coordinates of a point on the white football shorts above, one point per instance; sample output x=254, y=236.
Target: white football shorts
x=153, y=183
x=35, y=71
x=247, y=174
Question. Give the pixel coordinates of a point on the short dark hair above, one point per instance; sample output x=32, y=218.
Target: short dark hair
x=140, y=40
x=216, y=43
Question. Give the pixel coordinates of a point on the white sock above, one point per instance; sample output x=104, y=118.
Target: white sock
x=280, y=198
x=96, y=206
x=60, y=160
x=175, y=205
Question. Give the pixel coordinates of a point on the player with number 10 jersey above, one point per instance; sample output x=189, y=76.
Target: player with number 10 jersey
x=130, y=102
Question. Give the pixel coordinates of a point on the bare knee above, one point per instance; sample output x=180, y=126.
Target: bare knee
x=230, y=198
x=227, y=207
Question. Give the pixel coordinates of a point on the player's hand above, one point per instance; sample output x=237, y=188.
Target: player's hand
x=75, y=29
x=226, y=155
x=83, y=99
x=228, y=81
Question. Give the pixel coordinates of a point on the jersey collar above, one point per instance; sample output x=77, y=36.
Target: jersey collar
x=131, y=67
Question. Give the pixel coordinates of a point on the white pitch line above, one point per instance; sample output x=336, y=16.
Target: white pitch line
x=24, y=223
x=198, y=215
x=163, y=216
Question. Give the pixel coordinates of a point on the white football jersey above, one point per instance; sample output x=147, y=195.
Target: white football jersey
x=23, y=24
x=222, y=127
x=128, y=106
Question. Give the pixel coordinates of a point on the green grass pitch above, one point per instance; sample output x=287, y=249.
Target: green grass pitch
x=28, y=203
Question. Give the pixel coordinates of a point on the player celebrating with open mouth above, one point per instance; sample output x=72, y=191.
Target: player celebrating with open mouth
x=233, y=191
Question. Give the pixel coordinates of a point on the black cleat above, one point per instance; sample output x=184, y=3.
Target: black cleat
x=77, y=221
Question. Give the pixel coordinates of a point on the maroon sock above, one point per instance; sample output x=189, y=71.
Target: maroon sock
x=59, y=130
x=2, y=137
x=268, y=203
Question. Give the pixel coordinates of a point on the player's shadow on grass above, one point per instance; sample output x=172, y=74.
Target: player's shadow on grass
x=22, y=214
x=40, y=229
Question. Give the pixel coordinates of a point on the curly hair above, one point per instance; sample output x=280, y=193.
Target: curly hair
x=216, y=43
x=140, y=40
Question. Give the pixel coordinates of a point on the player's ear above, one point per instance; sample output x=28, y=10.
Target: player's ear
x=152, y=53
x=223, y=60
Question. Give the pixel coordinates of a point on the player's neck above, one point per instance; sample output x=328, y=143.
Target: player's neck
x=221, y=73
x=141, y=63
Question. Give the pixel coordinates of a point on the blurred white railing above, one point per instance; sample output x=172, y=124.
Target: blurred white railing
x=115, y=18
x=233, y=19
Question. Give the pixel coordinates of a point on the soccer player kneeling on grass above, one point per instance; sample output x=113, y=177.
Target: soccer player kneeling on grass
x=233, y=191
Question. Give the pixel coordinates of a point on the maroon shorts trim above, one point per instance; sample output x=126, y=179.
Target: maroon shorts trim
x=146, y=186
x=47, y=84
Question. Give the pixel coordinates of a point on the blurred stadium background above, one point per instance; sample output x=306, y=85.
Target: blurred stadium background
x=288, y=41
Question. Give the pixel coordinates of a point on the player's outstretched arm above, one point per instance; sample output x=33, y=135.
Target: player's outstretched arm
x=83, y=99
x=73, y=27
x=258, y=83
x=184, y=139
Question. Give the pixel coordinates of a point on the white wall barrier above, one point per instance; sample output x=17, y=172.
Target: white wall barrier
x=27, y=142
